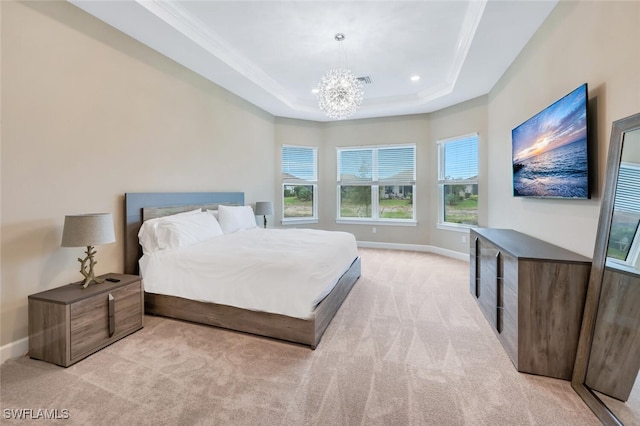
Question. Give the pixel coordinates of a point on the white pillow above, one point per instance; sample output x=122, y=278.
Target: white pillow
x=235, y=218
x=214, y=213
x=147, y=233
x=173, y=232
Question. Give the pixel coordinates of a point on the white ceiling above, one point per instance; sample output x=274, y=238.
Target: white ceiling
x=273, y=53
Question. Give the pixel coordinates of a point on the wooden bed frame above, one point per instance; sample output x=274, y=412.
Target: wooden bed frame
x=143, y=206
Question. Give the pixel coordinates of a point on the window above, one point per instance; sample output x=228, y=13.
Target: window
x=377, y=183
x=299, y=184
x=458, y=181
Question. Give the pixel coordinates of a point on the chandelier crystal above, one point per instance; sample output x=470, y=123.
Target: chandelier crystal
x=339, y=94
x=339, y=91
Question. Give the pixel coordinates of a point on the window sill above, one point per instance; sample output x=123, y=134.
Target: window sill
x=455, y=227
x=298, y=222
x=377, y=222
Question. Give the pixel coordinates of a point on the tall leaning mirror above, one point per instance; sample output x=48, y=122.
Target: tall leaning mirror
x=608, y=358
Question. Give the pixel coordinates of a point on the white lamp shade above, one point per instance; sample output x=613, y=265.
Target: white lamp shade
x=91, y=229
x=264, y=208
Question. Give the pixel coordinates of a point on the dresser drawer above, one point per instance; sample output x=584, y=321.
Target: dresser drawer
x=509, y=335
x=510, y=272
x=487, y=296
x=89, y=326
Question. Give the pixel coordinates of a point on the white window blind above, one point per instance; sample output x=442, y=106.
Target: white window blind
x=459, y=159
x=299, y=164
x=384, y=165
x=397, y=166
x=355, y=166
x=627, y=198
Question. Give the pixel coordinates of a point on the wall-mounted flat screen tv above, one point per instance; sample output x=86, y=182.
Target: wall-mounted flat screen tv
x=550, y=150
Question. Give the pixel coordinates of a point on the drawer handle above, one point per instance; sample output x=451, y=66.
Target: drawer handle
x=112, y=313
x=499, y=290
x=477, y=265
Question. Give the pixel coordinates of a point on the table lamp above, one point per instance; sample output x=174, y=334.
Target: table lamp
x=88, y=230
x=263, y=208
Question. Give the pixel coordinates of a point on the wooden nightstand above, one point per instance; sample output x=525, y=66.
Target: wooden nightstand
x=69, y=323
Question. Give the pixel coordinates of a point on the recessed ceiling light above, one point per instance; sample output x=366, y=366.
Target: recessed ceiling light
x=415, y=77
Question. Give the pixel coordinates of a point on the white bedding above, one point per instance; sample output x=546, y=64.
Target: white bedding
x=282, y=271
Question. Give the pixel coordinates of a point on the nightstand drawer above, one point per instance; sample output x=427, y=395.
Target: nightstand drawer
x=89, y=326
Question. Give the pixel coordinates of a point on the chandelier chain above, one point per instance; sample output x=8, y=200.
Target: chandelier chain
x=343, y=54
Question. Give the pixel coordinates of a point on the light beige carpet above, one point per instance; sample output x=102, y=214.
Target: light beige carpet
x=408, y=347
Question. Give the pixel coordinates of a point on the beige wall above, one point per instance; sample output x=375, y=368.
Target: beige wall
x=89, y=114
x=593, y=42
x=631, y=148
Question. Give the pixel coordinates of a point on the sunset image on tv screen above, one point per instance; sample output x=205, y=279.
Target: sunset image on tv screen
x=550, y=150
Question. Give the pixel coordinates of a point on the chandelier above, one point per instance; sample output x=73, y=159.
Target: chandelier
x=339, y=91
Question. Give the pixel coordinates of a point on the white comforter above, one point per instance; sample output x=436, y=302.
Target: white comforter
x=283, y=271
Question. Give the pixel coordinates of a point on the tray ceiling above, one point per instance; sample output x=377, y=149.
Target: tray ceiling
x=273, y=53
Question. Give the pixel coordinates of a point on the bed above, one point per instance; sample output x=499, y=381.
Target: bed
x=282, y=323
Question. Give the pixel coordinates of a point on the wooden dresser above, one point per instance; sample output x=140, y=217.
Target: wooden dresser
x=69, y=323
x=533, y=294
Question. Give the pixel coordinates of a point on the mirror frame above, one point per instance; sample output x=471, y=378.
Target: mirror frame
x=618, y=130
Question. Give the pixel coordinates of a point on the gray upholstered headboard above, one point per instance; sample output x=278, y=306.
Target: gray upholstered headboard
x=135, y=202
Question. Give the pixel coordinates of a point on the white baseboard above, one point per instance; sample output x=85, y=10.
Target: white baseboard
x=14, y=349
x=415, y=247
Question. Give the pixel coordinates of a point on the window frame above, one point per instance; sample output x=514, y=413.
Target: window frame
x=442, y=181
x=296, y=182
x=375, y=185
